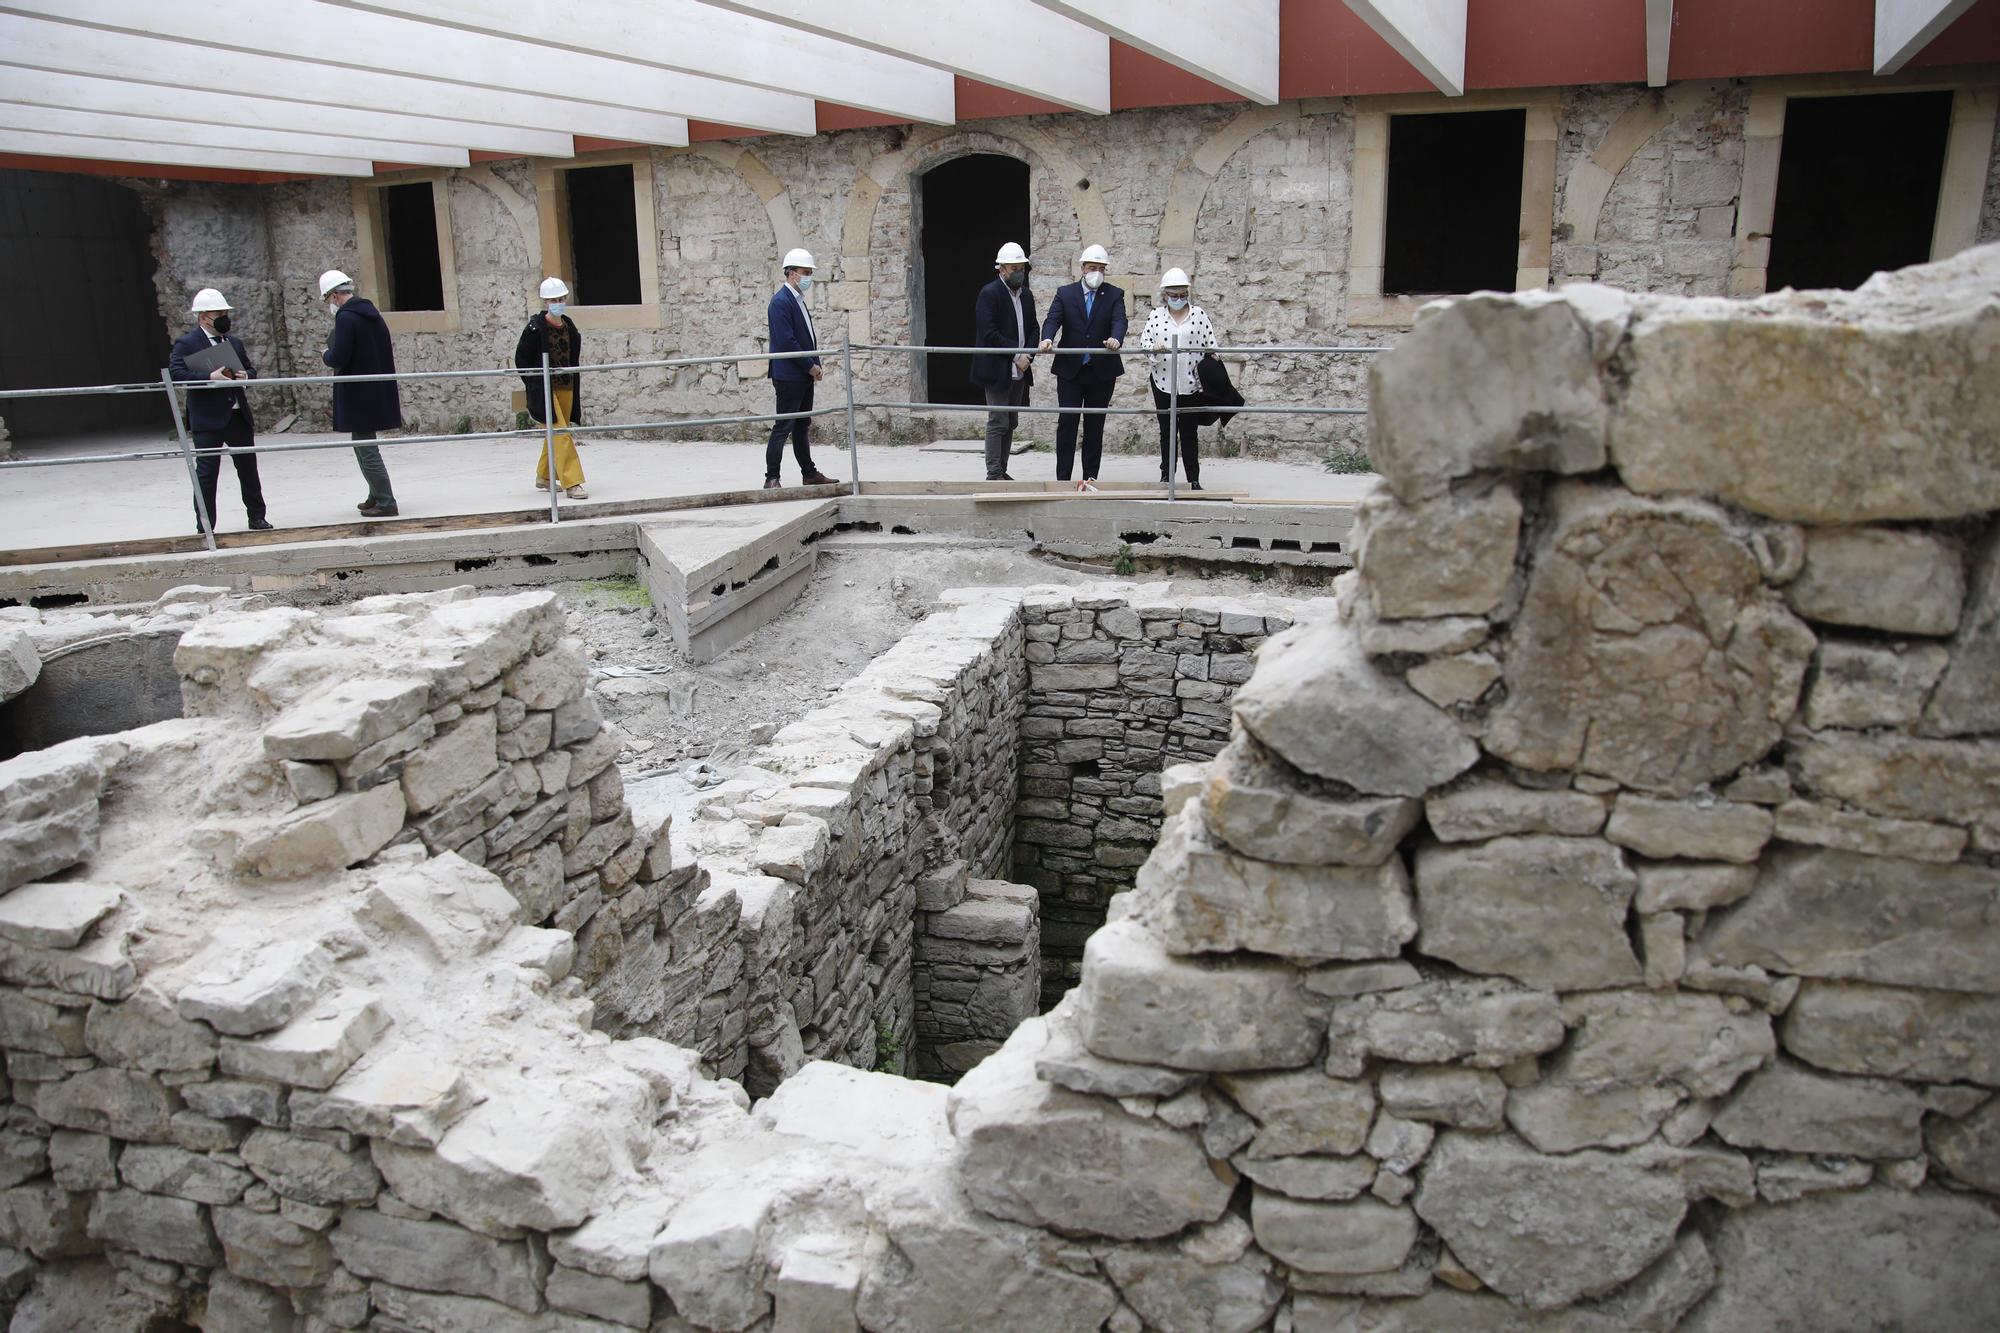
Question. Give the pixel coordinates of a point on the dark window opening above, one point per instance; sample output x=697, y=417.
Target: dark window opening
x=410, y=240
x=1858, y=186
x=968, y=208
x=1453, y=222
x=603, y=235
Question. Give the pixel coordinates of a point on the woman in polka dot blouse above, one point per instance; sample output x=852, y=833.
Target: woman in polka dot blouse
x=1177, y=316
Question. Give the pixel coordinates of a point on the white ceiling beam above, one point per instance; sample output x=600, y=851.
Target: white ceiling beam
x=1659, y=37
x=1012, y=44
x=33, y=87
x=1235, y=45
x=1430, y=34
x=353, y=39
x=190, y=134
x=178, y=155
x=1905, y=27
x=693, y=38
x=60, y=47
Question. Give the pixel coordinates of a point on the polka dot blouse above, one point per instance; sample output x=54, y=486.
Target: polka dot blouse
x=1195, y=331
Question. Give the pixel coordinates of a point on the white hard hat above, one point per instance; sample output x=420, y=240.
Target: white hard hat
x=333, y=278
x=798, y=259
x=1011, y=253
x=553, y=288
x=208, y=299
x=1173, y=277
x=1093, y=254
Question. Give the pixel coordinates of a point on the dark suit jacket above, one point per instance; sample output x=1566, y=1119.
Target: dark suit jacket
x=360, y=346
x=993, y=326
x=1067, y=327
x=208, y=409
x=528, y=360
x=790, y=333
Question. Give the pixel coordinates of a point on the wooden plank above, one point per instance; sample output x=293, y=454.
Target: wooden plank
x=1301, y=503
x=1224, y=497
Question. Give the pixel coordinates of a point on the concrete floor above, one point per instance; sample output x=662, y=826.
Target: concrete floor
x=98, y=502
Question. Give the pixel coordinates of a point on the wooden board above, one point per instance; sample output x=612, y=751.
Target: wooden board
x=1225, y=497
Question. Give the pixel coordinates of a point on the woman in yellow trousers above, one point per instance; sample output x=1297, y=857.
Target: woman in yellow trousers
x=555, y=333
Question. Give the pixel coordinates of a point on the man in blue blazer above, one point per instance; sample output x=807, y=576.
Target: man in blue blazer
x=793, y=379
x=1004, y=318
x=1090, y=313
x=219, y=418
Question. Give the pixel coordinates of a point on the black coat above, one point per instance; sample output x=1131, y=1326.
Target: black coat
x=360, y=346
x=1217, y=392
x=208, y=409
x=993, y=326
x=528, y=359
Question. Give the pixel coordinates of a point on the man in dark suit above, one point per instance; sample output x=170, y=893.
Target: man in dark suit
x=360, y=345
x=1004, y=317
x=1090, y=313
x=793, y=378
x=219, y=418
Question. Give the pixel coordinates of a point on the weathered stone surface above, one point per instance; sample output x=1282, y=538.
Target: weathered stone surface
x=327, y=835
x=1303, y=1111
x=1560, y=1117
x=709, y=1258
x=1859, y=685
x=266, y=1248
x=1451, y=555
x=551, y=679
x=1957, y=781
x=1837, y=382
x=48, y=807
x=1064, y=1061
x=1342, y=1238
x=345, y=719
x=236, y=1306
x=1489, y=807
x=1647, y=649
x=81, y=1161
x=1467, y=1098
x=247, y=985
x=175, y=1230
x=1704, y=830
x=1482, y=1023
x=56, y=916
x=1896, y=1032
x=1691, y=886
x=118, y=1102
x=1548, y=1230
x=1036, y=1153
x=1546, y=911
x=1899, y=581
x=1965, y=700
x=310, y=1171
x=23, y=1157
x=184, y=1175
x=1874, y=1258
x=145, y=1032
x=1819, y=825
x=458, y=760
x=1214, y=901
x=441, y=1312
x=437, y=1256
x=407, y=1096
x=46, y=1221
x=453, y=907
x=20, y=664
x=1863, y=918
x=98, y=967
x=1969, y=1148
x=1486, y=383
x=1209, y=1281
x=1345, y=979
x=628, y=1303
x=314, y=1049
x=1696, y=1043
x=228, y=1098
x=1260, y=811
x=983, y=921
x=1790, y=1109
x=1451, y=681
x=1137, y=1003
x=1321, y=703
x=1310, y=1177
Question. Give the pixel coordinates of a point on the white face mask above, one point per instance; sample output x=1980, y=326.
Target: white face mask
x=1093, y=280
x=556, y=308
x=1177, y=303
x=805, y=282
x=333, y=307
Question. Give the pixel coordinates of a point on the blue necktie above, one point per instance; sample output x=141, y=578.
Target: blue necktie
x=1089, y=300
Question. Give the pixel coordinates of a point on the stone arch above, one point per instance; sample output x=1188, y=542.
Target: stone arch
x=1194, y=173
x=764, y=183
x=1590, y=181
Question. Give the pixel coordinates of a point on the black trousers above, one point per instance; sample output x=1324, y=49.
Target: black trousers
x=793, y=396
x=1190, y=448
x=236, y=435
x=1081, y=392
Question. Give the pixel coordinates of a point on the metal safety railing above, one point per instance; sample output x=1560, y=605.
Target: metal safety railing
x=191, y=455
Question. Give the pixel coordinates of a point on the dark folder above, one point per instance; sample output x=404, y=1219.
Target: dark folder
x=222, y=354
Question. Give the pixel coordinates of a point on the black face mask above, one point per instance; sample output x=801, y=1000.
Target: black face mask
x=222, y=323
x=1016, y=278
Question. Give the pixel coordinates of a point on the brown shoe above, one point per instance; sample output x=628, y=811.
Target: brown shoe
x=817, y=478
x=772, y=483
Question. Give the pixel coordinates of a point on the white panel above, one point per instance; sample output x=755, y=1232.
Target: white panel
x=1659, y=38
x=1235, y=45
x=1905, y=27
x=101, y=125
x=178, y=155
x=350, y=39
x=37, y=44
x=1430, y=34
x=33, y=87
x=695, y=38
x=1013, y=44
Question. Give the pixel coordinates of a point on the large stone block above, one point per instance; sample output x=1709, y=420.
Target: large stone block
x=1841, y=915
x=1896, y=1032
x=1490, y=807
x=310, y=1171
x=327, y=835
x=406, y=1095
x=1894, y=580
x=245, y=985
x=1486, y=1024
x=175, y=1230
x=1800, y=387
x=1703, y=830
x=1871, y=684
x=266, y=1248
x=159, y=1169
x=117, y=1102
x=48, y=807
x=1791, y=1109
x=1339, y=1238
x=1448, y=556
x=56, y=916
x=144, y=1032
x=313, y=1049
x=1969, y=1148
x=455, y=762
x=1548, y=912
x=1696, y=1043
x=1321, y=703
x=1209, y=1281
x=1965, y=700
x=20, y=663
x=1263, y=808
x=1137, y=1003
x=347, y=718
x=1956, y=781
x=437, y=1256
x=1648, y=649
x=1303, y=1112
x=1488, y=383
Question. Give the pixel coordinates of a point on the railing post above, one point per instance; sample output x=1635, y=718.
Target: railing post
x=1173, y=413
x=549, y=435
x=847, y=373
x=202, y=515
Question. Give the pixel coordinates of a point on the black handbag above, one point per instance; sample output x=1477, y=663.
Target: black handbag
x=1218, y=395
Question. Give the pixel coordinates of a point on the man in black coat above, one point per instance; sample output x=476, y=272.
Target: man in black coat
x=219, y=418
x=360, y=346
x=1005, y=318
x=1090, y=313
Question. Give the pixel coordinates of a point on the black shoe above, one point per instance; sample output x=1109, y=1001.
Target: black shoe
x=363, y=506
x=1002, y=477
x=261, y=525
x=817, y=478
x=1194, y=485
x=378, y=511
x=772, y=484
